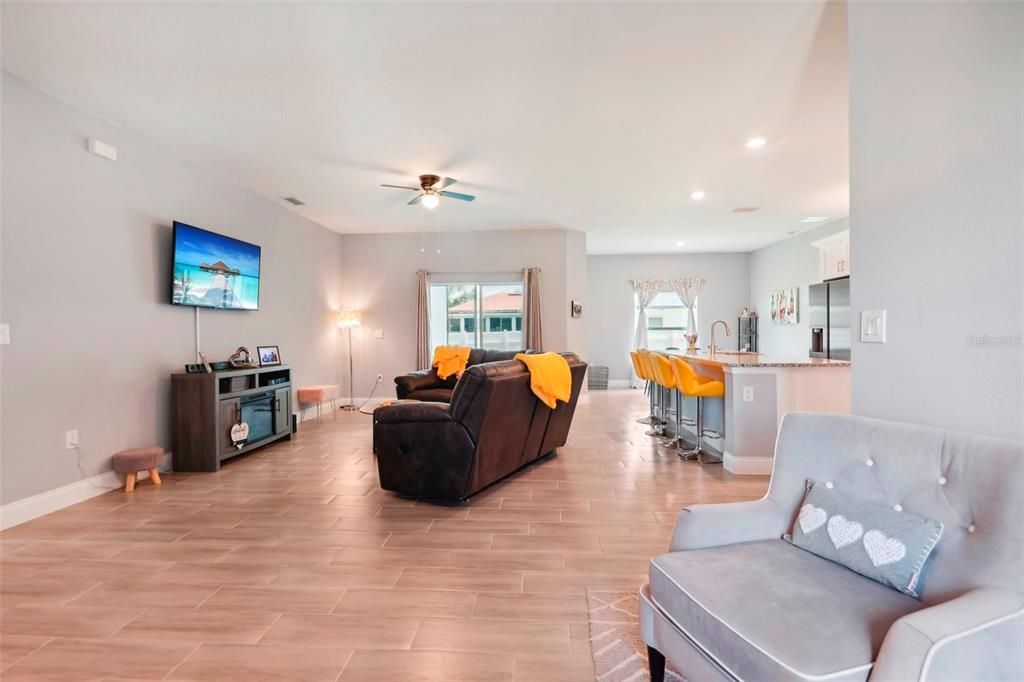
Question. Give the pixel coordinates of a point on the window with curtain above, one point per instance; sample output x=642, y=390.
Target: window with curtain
x=666, y=321
x=476, y=314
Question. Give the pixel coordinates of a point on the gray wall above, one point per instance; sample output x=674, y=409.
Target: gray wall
x=935, y=192
x=577, y=338
x=790, y=263
x=610, y=320
x=380, y=280
x=85, y=281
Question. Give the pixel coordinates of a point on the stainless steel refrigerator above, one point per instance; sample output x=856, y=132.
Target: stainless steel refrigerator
x=829, y=308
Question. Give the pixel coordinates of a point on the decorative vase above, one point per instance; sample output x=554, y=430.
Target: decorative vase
x=691, y=342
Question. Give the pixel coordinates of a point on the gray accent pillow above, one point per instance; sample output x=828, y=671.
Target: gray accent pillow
x=882, y=543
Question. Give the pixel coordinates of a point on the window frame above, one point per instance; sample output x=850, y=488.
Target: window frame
x=684, y=330
x=479, y=320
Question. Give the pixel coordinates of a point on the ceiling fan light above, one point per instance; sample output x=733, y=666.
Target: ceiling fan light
x=430, y=200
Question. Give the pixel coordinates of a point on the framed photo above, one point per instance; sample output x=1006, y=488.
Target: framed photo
x=268, y=355
x=575, y=309
x=785, y=306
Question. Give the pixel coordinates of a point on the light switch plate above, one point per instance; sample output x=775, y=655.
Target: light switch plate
x=748, y=394
x=5, y=334
x=872, y=326
x=378, y=334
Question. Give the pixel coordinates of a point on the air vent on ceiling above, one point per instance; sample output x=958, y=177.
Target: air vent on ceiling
x=745, y=209
x=295, y=201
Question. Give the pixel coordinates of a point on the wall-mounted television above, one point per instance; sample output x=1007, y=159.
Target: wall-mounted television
x=210, y=270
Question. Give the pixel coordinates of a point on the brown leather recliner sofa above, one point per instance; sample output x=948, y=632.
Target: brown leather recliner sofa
x=426, y=385
x=494, y=426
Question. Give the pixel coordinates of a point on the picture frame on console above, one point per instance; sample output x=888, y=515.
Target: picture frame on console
x=268, y=356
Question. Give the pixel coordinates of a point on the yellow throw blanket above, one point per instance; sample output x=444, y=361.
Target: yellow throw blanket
x=450, y=360
x=550, y=378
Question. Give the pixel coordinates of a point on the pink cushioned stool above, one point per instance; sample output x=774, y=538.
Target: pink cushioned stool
x=131, y=462
x=321, y=393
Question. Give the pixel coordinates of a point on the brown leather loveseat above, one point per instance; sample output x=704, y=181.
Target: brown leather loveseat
x=426, y=385
x=494, y=426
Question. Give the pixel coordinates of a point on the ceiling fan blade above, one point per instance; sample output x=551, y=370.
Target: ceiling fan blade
x=457, y=195
x=417, y=199
x=445, y=182
x=414, y=189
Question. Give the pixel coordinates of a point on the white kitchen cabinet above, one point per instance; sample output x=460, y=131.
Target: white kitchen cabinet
x=834, y=255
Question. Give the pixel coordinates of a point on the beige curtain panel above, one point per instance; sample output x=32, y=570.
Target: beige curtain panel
x=532, y=333
x=422, y=321
x=688, y=288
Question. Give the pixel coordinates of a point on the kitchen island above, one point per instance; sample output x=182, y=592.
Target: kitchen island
x=759, y=390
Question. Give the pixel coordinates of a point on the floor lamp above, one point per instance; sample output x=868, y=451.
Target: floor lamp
x=349, y=320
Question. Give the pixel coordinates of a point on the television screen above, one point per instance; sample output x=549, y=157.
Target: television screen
x=214, y=271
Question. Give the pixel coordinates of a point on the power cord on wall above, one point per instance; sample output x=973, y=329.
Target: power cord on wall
x=83, y=475
x=372, y=391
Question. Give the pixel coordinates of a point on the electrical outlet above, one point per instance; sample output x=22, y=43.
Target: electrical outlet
x=380, y=378
x=71, y=439
x=5, y=334
x=378, y=334
x=748, y=394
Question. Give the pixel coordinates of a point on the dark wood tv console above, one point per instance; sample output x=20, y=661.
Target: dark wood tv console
x=206, y=406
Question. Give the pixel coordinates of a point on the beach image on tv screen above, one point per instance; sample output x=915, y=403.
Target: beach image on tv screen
x=214, y=271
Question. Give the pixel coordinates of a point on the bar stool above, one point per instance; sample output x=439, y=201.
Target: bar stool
x=639, y=371
x=647, y=373
x=665, y=379
x=677, y=409
x=694, y=385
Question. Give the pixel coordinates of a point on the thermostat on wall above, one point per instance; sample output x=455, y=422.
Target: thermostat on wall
x=102, y=149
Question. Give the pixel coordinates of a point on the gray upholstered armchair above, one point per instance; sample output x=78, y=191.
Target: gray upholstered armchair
x=732, y=600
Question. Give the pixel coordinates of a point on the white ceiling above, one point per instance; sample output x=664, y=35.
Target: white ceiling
x=597, y=117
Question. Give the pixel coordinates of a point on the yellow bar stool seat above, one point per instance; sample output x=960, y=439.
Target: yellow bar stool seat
x=694, y=385
x=665, y=379
x=638, y=369
x=647, y=365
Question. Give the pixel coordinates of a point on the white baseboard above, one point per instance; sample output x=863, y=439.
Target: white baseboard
x=33, y=507
x=747, y=466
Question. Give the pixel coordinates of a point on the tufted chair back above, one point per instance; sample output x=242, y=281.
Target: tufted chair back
x=663, y=373
x=974, y=485
x=644, y=357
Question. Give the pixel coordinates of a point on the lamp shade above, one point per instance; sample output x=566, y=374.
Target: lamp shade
x=348, y=319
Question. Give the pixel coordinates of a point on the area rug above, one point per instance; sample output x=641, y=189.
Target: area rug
x=620, y=654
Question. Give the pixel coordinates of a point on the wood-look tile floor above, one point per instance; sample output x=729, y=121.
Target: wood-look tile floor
x=292, y=564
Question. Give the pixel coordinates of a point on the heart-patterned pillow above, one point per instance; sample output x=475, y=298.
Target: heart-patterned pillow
x=811, y=518
x=883, y=550
x=842, y=531
x=892, y=550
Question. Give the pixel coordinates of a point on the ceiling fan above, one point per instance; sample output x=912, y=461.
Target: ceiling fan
x=431, y=190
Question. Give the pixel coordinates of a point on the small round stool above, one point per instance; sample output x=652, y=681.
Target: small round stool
x=131, y=462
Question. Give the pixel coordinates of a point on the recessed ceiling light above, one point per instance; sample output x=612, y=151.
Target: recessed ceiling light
x=756, y=142
x=697, y=196
x=680, y=243
x=814, y=219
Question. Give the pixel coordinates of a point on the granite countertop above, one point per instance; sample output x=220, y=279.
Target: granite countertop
x=735, y=359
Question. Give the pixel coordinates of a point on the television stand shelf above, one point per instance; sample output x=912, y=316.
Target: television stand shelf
x=206, y=406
